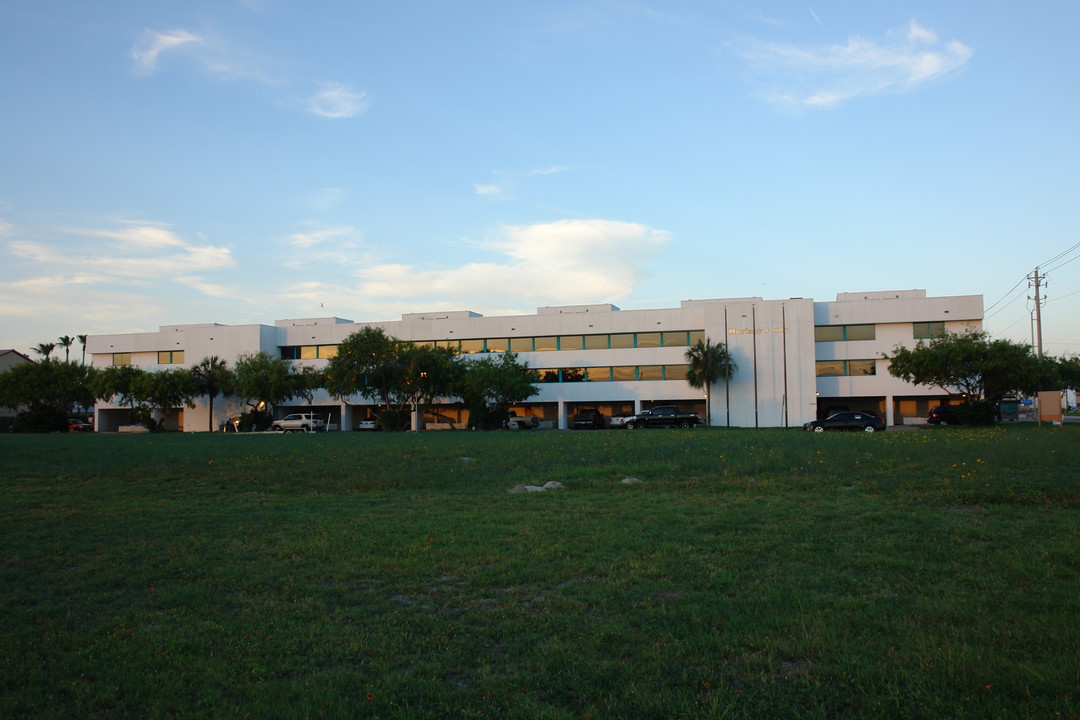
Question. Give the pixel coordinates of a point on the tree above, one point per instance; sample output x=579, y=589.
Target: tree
x=116, y=381
x=213, y=377
x=45, y=393
x=162, y=393
x=82, y=341
x=982, y=370
x=398, y=374
x=45, y=349
x=488, y=385
x=263, y=381
x=66, y=341
x=709, y=364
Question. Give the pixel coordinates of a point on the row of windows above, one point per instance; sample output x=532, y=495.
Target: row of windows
x=833, y=368
x=680, y=338
x=620, y=373
x=164, y=357
x=841, y=333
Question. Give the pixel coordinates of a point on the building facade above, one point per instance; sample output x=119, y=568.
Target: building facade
x=797, y=359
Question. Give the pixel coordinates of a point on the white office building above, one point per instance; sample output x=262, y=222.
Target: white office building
x=797, y=359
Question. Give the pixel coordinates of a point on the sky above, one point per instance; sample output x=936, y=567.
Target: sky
x=245, y=161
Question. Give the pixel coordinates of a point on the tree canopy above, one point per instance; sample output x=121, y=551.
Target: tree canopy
x=45, y=392
x=267, y=381
x=709, y=364
x=398, y=374
x=489, y=384
x=973, y=364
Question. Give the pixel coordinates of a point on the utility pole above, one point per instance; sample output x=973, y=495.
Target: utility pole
x=1036, y=281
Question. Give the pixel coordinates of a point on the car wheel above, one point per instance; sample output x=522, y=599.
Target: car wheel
x=685, y=424
x=818, y=428
x=630, y=426
x=276, y=428
x=870, y=429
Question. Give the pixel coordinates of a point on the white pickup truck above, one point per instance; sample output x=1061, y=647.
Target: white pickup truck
x=300, y=422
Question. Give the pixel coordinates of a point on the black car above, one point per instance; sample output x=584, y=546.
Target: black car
x=848, y=420
x=941, y=415
x=589, y=419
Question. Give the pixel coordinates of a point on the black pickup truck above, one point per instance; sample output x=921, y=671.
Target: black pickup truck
x=663, y=416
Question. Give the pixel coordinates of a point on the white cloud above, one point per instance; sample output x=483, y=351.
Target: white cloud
x=322, y=235
x=152, y=44
x=562, y=262
x=819, y=77
x=487, y=189
x=552, y=170
x=337, y=100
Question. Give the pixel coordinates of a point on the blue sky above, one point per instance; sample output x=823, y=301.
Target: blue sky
x=252, y=160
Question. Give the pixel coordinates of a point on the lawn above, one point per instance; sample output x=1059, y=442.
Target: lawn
x=932, y=573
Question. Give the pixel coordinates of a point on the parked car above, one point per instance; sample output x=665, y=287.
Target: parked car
x=663, y=416
x=76, y=425
x=942, y=415
x=848, y=420
x=300, y=422
x=521, y=422
x=589, y=419
x=369, y=424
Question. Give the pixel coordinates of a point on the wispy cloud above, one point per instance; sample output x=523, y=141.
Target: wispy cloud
x=218, y=57
x=152, y=44
x=337, y=100
x=821, y=77
x=567, y=261
x=320, y=235
x=86, y=278
x=488, y=189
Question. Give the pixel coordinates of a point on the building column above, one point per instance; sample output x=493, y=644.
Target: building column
x=346, y=418
x=889, y=410
x=562, y=415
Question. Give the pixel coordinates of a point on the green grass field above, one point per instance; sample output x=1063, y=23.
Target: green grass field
x=750, y=574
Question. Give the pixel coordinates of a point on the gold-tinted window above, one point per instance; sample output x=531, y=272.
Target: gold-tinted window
x=497, y=344
x=328, y=351
x=542, y=344
x=472, y=346
x=861, y=367
x=624, y=373
x=521, y=344
x=674, y=339
x=647, y=340
x=651, y=372
x=675, y=372
x=697, y=336
x=829, y=368
x=570, y=342
x=596, y=342
x=622, y=340
x=598, y=374
x=121, y=359
x=309, y=352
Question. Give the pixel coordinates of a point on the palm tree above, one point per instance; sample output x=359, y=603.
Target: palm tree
x=66, y=341
x=709, y=364
x=45, y=349
x=214, y=378
x=82, y=339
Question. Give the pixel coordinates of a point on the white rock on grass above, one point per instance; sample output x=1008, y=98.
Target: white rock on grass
x=519, y=489
x=629, y=481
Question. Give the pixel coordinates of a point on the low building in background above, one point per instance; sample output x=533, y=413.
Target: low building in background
x=797, y=359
